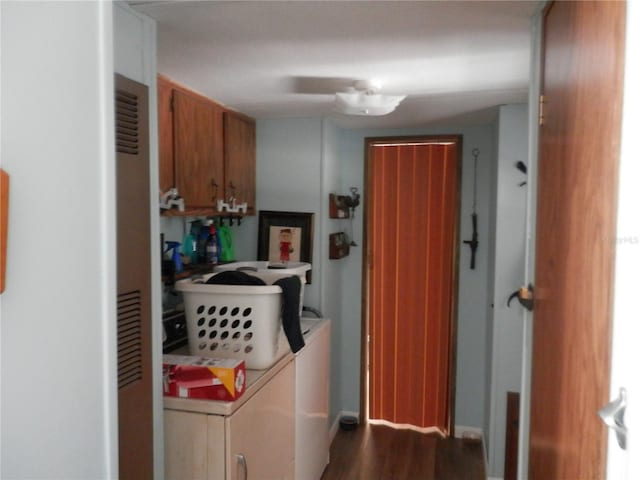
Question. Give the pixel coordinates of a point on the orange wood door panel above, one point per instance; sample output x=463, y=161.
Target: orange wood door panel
x=412, y=219
x=577, y=191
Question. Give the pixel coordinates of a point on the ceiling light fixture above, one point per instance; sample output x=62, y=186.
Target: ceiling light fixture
x=364, y=99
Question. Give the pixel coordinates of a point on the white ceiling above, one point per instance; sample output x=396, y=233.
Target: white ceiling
x=455, y=60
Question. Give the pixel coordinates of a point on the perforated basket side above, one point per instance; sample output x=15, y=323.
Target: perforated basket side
x=234, y=325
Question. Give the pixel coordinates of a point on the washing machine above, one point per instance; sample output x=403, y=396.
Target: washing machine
x=312, y=365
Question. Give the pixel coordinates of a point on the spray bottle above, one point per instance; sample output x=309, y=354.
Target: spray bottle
x=175, y=254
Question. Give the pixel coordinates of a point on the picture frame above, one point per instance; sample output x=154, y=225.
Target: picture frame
x=285, y=236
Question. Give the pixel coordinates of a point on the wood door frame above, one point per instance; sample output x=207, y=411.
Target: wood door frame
x=366, y=283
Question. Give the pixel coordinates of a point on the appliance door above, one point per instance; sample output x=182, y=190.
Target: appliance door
x=312, y=400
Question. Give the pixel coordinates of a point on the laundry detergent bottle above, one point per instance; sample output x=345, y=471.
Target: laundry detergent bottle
x=190, y=242
x=225, y=236
x=212, y=245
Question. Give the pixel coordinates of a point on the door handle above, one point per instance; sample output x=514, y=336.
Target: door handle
x=612, y=414
x=242, y=463
x=524, y=296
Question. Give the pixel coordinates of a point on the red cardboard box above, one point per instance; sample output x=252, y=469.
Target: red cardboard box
x=201, y=377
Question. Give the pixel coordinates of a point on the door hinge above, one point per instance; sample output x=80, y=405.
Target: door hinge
x=541, y=110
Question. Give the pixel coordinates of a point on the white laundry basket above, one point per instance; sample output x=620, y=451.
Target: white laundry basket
x=269, y=272
x=235, y=321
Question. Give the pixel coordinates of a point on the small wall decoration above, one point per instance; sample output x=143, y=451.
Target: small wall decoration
x=344, y=206
x=285, y=237
x=338, y=246
x=337, y=206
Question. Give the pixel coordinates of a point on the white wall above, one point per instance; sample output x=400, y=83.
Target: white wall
x=288, y=178
x=510, y=223
x=58, y=329
x=333, y=271
x=491, y=274
x=529, y=270
x=323, y=159
x=134, y=39
x=625, y=353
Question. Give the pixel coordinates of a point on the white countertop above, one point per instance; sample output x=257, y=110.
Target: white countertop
x=256, y=379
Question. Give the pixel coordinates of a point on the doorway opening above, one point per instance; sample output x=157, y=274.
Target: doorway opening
x=410, y=279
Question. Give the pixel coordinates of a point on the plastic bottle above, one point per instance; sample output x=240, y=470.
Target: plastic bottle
x=225, y=236
x=219, y=244
x=203, y=235
x=175, y=254
x=212, y=245
x=190, y=243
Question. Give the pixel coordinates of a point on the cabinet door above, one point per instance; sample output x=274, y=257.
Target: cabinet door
x=261, y=433
x=240, y=159
x=198, y=153
x=193, y=446
x=165, y=134
x=185, y=445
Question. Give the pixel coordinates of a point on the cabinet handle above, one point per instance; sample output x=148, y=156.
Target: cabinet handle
x=242, y=463
x=214, y=185
x=232, y=187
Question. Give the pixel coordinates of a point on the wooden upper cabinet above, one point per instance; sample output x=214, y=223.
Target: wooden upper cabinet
x=207, y=152
x=240, y=159
x=198, y=151
x=165, y=134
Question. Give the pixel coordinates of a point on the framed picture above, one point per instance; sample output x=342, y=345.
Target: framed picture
x=285, y=237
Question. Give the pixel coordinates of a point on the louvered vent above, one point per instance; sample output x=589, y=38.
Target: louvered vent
x=129, y=338
x=127, y=122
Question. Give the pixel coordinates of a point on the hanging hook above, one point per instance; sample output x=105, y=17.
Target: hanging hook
x=520, y=165
x=473, y=243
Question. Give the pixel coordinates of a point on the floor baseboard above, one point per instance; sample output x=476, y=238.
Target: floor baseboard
x=460, y=431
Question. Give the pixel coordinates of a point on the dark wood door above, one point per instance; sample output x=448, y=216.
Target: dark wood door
x=135, y=382
x=412, y=218
x=575, y=240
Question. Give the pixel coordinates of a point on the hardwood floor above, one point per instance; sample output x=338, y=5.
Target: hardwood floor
x=379, y=452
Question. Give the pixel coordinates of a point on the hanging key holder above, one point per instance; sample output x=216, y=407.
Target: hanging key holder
x=473, y=243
